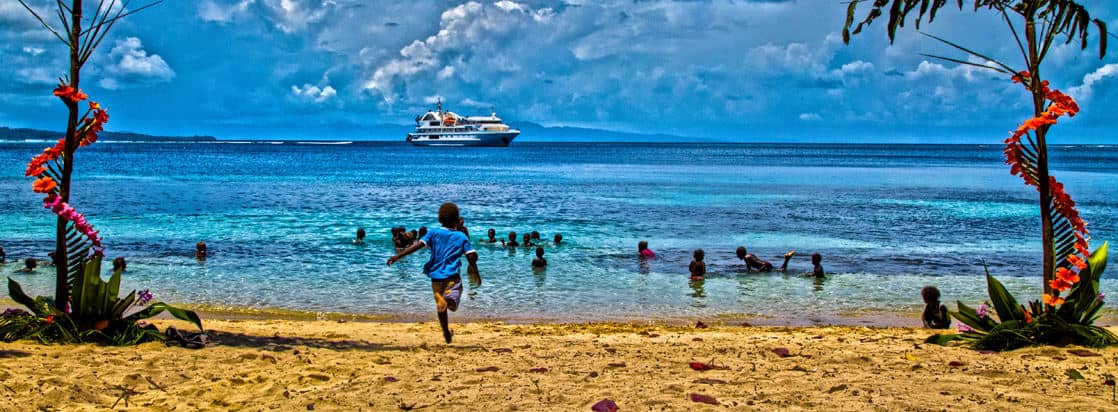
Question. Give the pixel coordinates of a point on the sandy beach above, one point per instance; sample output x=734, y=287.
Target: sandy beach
x=284, y=364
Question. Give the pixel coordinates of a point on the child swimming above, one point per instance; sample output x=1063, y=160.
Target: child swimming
x=539, y=261
x=447, y=245
x=645, y=252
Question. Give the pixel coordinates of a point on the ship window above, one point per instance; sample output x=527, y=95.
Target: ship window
x=433, y=137
x=434, y=123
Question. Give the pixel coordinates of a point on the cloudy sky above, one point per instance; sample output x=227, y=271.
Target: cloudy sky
x=761, y=70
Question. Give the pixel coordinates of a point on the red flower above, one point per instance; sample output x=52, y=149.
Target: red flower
x=44, y=185
x=1051, y=300
x=49, y=318
x=1077, y=262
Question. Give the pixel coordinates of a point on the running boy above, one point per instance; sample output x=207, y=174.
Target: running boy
x=447, y=245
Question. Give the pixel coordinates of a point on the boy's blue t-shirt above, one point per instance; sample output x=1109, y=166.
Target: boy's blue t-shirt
x=447, y=246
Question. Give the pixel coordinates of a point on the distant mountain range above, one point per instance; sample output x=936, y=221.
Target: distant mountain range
x=7, y=133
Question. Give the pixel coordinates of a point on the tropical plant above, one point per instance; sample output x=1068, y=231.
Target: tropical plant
x=97, y=314
x=84, y=306
x=75, y=239
x=1067, y=262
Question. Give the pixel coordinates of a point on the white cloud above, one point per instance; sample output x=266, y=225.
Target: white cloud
x=810, y=117
x=131, y=64
x=314, y=93
x=446, y=72
x=507, y=5
x=211, y=11
x=1084, y=91
x=34, y=51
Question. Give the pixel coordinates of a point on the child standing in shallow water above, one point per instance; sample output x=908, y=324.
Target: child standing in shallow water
x=447, y=244
x=645, y=252
x=698, y=267
x=935, y=314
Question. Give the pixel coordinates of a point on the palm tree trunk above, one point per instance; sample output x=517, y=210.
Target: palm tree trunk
x=61, y=252
x=1045, y=194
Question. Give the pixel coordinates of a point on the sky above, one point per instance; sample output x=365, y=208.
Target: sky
x=760, y=70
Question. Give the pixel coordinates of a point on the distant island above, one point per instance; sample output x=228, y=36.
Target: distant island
x=10, y=134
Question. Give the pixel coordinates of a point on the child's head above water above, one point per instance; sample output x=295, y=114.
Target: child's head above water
x=699, y=254
x=816, y=258
x=539, y=252
x=448, y=215
x=535, y=235
x=740, y=252
x=642, y=245
x=492, y=233
x=512, y=236
x=558, y=238
x=930, y=294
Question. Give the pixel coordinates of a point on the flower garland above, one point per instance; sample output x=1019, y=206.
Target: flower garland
x=1062, y=104
x=92, y=122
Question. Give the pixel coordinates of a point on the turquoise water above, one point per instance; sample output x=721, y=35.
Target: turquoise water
x=888, y=220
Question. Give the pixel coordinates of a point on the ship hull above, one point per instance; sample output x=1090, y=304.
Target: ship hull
x=489, y=139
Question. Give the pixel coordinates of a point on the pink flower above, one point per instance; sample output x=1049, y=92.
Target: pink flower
x=963, y=328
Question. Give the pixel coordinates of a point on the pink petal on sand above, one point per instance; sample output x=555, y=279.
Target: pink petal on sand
x=487, y=369
x=604, y=405
x=781, y=352
x=698, y=397
x=390, y=379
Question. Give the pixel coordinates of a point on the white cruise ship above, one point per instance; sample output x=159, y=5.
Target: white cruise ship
x=439, y=128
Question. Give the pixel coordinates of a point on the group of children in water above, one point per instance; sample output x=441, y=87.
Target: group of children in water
x=698, y=267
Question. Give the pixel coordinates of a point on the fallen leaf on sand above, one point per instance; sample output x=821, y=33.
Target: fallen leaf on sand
x=390, y=379
x=700, y=325
x=954, y=364
x=696, y=339
x=1082, y=352
x=538, y=370
x=502, y=350
x=698, y=397
x=909, y=357
x=709, y=381
x=836, y=388
x=781, y=352
x=1074, y=374
x=488, y=369
x=617, y=365
x=604, y=405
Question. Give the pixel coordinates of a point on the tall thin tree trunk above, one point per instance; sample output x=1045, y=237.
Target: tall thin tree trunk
x=61, y=252
x=1045, y=195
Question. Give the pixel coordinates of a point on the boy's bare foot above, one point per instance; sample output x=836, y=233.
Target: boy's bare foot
x=790, y=253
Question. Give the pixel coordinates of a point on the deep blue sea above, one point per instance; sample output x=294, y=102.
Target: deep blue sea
x=279, y=218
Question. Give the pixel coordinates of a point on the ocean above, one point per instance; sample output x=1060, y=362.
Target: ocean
x=279, y=219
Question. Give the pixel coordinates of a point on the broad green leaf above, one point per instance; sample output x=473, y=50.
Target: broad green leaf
x=1004, y=303
x=1074, y=374
x=17, y=294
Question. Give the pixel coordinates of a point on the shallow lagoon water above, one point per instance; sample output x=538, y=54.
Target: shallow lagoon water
x=888, y=220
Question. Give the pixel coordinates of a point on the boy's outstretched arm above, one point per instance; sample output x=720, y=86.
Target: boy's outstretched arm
x=471, y=268
x=411, y=249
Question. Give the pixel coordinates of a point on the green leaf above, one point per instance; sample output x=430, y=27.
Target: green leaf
x=17, y=294
x=1074, y=374
x=1004, y=303
x=942, y=340
x=158, y=307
